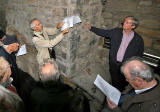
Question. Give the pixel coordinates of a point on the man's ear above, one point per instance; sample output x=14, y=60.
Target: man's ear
x=34, y=28
x=133, y=26
x=139, y=80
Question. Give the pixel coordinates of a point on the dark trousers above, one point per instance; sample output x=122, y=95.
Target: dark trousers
x=52, y=53
x=118, y=79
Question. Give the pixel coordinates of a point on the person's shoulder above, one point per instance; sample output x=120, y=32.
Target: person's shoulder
x=56, y=84
x=117, y=29
x=35, y=38
x=2, y=50
x=137, y=35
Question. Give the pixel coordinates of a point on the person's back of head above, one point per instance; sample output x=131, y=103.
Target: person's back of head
x=5, y=72
x=138, y=68
x=57, y=96
x=49, y=70
x=3, y=67
x=9, y=101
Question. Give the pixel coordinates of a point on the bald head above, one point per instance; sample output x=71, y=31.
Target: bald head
x=49, y=70
x=5, y=70
x=137, y=68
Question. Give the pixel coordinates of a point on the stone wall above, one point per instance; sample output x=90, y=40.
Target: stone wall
x=3, y=21
x=78, y=44
x=80, y=55
x=146, y=11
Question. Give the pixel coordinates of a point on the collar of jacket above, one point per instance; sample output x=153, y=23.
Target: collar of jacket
x=38, y=34
x=145, y=96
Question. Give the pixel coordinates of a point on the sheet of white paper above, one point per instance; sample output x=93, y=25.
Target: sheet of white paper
x=111, y=92
x=70, y=21
x=76, y=19
x=22, y=50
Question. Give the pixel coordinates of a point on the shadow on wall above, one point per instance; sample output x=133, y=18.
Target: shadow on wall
x=3, y=22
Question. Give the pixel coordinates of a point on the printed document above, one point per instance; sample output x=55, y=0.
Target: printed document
x=111, y=92
x=70, y=21
x=22, y=50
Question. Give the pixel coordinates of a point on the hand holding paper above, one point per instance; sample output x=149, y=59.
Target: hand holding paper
x=70, y=21
x=111, y=104
x=111, y=92
x=22, y=50
x=65, y=31
x=60, y=24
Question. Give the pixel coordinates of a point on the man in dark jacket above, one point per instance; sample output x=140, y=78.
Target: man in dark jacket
x=142, y=95
x=7, y=50
x=2, y=36
x=51, y=94
x=125, y=43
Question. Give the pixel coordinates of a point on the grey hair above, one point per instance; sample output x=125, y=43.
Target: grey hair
x=9, y=101
x=53, y=75
x=135, y=21
x=3, y=67
x=144, y=71
x=32, y=24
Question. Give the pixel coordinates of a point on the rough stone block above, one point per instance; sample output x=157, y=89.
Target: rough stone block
x=83, y=2
x=149, y=23
x=85, y=11
x=72, y=68
x=96, y=10
x=59, y=12
x=148, y=32
x=61, y=54
x=92, y=42
x=158, y=1
x=156, y=46
x=83, y=51
x=147, y=41
x=94, y=2
x=122, y=5
x=107, y=15
x=146, y=10
x=62, y=68
x=146, y=3
x=74, y=1
x=73, y=55
x=108, y=22
x=58, y=2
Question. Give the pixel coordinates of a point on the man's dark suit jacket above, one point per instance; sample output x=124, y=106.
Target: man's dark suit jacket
x=11, y=58
x=135, y=47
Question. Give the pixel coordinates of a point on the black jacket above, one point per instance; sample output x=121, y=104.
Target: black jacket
x=11, y=58
x=58, y=97
x=135, y=47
